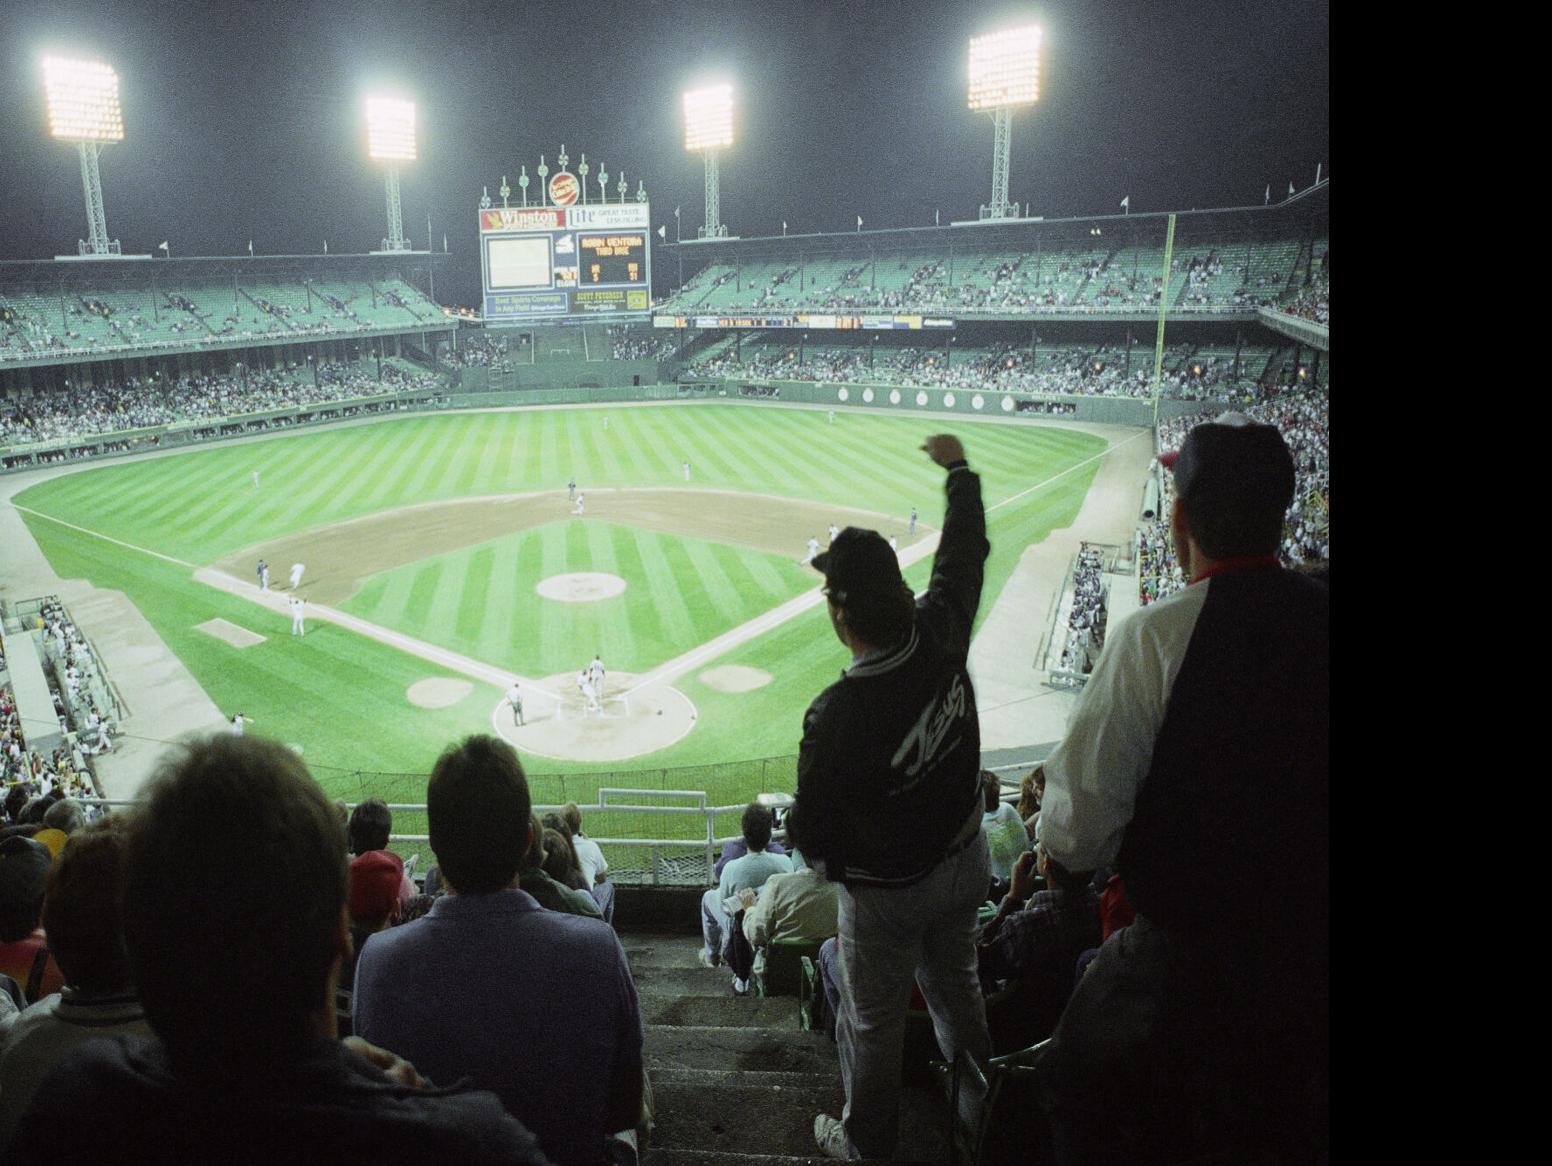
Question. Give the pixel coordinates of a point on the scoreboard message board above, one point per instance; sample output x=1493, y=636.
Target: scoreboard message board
x=559, y=262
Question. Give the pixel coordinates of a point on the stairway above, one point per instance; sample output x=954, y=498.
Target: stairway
x=734, y=1079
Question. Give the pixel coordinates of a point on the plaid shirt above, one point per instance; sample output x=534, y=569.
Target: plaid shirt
x=1045, y=939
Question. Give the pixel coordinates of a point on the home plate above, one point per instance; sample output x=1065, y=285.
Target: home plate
x=229, y=633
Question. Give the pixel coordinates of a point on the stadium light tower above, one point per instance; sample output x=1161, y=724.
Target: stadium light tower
x=1004, y=75
x=390, y=138
x=708, y=127
x=83, y=107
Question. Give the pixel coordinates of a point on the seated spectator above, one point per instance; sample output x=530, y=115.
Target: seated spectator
x=800, y=905
x=560, y=860
x=86, y=936
x=1034, y=942
x=1006, y=837
x=368, y=829
x=488, y=979
x=547, y=891
x=594, y=865
x=737, y=848
x=373, y=900
x=742, y=874
x=235, y=924
x=24, y=953
x=1031, y=793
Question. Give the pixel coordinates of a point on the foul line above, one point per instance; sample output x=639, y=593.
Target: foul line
x=107, y=538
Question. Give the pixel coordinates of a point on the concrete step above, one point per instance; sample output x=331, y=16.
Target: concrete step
x=708, y=1047
x=690, y=979
x=745, y=1119
x=777, y=1012
x=659, y=951
x=668, y=1074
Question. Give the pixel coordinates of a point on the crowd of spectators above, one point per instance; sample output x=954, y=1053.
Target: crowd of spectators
x=1101, y=372
x=1022, y=284
x=1087, y=617
x=1304, y=418
x=1313, y=303
x=89, y=410
x=632, y=343
x=83, y=699
x=478, y=350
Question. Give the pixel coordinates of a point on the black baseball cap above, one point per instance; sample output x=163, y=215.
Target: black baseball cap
x=859, y=563
x=1233, y=461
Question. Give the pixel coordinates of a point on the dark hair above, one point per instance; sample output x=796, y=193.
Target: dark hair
x=553, y=821
x=881, y=620
x=234, y=885
x=991, y=790
x=478, y=808
x=65, y=816
x=573, y=818
x=82, y=913
x=534, y=856
x=368, y=827
x=757, y=826
x=560, y=860
x=16, y=797
x=1228, y=528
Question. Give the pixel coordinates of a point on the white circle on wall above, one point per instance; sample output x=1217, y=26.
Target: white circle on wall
x=948, y=400
x=978, y=402
x=867, y=396
x=842, y=394
x=1007, y=404
x=921, y=397
x=894, y=396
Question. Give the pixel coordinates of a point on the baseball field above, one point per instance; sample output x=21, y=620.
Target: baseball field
x=444, y=557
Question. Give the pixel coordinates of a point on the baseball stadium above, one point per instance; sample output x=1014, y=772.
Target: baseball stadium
x=556, y=470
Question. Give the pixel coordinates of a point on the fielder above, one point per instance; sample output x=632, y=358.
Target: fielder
x=686, y=471
x=813, y=549
x=913, y=521
x=595, y=673
x=832, y=416
x=255, y=479
x=296, y=575
x=571, y=490
x=298, y=606
x=515, y=698
x=577, y=509
x=238, y=721
x=263, y=570
x=834, y=530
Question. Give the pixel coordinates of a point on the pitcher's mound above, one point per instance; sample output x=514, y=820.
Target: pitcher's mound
x=626, y=723
x=438, y=693
x=735, y=678
x=581, y=587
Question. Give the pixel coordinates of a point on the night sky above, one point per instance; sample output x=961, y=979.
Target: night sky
x=243, y=119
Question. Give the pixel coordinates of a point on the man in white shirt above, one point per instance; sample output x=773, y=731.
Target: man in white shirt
x=296, y=575
x=515, y=699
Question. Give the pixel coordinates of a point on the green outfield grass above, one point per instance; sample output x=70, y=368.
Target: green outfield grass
x=341, y=697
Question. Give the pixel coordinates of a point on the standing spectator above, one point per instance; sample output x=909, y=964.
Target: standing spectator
x=889, y=799
x=488, y=973
x=235, y=924
x=1198, y=764
x=370, y=824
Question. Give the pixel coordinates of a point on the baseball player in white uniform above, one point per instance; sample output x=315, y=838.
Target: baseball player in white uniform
x=296, y=575
x=515, y=699
x=834, y=530
x=238, y=721
x=894, y=544
x=263, y=575
x=298, y=607
x=595, y=673
x=578, y=508
x=255, y=479
x=813, y=549
x=686, y=471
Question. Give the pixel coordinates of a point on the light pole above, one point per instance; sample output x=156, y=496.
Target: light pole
x=390, y=125
x=83, y=107
x=1004, y=75
x=708, y=128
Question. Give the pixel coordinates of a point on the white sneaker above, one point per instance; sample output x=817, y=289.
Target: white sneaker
x=707, y=959
x=830, y=1135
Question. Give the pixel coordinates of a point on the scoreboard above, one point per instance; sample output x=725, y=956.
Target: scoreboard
x=566, y=262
